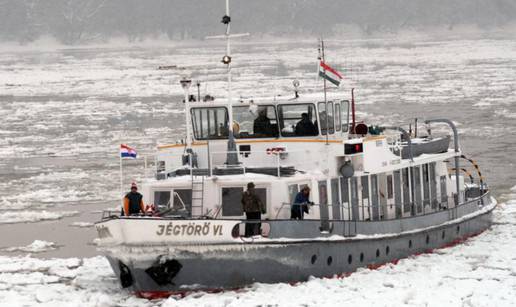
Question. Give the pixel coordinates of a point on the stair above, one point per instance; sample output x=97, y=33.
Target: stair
x=197, y=195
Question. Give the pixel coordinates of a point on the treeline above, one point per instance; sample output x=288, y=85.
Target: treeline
x=82, y=21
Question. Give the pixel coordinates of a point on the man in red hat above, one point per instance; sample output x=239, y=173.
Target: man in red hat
x=133, y=202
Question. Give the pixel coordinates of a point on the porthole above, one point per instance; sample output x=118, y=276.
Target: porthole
x=427, y=239
x=458, y=228
x=409, y=243
x=350, y=259
x=387, y=250
x=314, y=259
x=377, y=253
x=329, y=260
x=361, y=257
x=443, y=234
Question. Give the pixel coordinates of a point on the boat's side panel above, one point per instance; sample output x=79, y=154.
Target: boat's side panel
x=229, y=266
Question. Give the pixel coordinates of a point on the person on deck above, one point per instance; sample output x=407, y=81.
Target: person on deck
x=133, y=202
x=305, y=127
x=262, y=124
x=301, y=204
x=253, y=208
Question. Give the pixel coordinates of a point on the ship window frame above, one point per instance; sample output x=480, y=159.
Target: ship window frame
x=331, y=118
x=312, y=112
x=338, y=117
x=199, y=131
x=274, y=122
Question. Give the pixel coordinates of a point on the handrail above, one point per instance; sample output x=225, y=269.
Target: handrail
x=370, y=206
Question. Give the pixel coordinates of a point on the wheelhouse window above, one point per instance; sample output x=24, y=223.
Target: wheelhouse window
x=257, y=122
x=210, y=123
x=326, y=117
x=337, y=117
x=298, y=120
x=344, y=116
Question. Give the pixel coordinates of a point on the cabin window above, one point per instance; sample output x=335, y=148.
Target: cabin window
x=323, y=205
x=183, y=200
x=292, y=192
x=426, y=185
x=397, y=193
x=416, y=172
x=406, y=190
x=259, y=122
x=337, y=117
x=232, y=200
x=365, y=197
x=444, y=192
x=344, y=196
x=231, y=205
x=210, y=123
x=344, y=116
x=390, y=192
x=326, y=117
x=354, y=198
x=335, y=202
x=374, y=197
x=433, y=186
x=298, y=120
x=162, y=199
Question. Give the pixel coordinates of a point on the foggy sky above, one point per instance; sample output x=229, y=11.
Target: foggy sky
x=82, y=21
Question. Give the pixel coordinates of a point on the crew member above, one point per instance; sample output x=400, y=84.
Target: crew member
x=133, y=202
x=253, y=208
x=305, y=127
x=301, y=204
x=262, y=124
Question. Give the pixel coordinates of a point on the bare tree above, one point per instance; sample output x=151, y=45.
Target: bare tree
x=77, y=17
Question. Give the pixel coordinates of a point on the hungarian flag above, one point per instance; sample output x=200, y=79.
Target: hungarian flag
x=328, y=73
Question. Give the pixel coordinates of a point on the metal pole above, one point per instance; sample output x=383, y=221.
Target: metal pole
x=325, y=100
x=457, y=154
x=353, y=110
x=232, y=157
x=121, y=182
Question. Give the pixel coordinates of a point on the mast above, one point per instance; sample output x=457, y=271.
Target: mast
x=232, y=157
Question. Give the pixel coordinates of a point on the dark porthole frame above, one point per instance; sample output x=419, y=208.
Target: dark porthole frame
x=350, y=259
x=427, y=240
x=329, y=261
x=409, y=243
x=314, y=259
x=377, y=252
x=361, y=257
x=387, y=250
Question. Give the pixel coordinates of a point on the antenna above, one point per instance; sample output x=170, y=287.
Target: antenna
x=232, y=157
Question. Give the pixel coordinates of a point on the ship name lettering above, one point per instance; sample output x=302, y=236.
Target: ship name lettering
x=217, y=230
x=161, y=230
x=190, y=229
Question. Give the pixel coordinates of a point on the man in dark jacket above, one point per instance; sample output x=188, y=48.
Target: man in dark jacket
x=300, y=205
x=262, y=124
x=133, y=202
x=305, y=127
x=253, y=208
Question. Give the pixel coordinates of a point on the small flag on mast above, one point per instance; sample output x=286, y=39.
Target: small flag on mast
x=328, y=73
x=127, y=152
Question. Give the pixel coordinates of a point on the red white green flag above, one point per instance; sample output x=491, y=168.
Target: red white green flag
x=330, y=74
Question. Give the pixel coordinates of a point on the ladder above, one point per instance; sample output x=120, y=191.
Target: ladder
x=197, y=195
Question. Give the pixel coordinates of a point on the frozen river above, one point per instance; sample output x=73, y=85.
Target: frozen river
x=65, y=112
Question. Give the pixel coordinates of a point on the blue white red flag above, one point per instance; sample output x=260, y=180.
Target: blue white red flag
x=127, y=152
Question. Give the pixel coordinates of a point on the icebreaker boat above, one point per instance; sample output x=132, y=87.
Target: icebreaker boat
x=378, y=194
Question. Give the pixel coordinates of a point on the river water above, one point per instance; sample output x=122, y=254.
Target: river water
x=65, y=111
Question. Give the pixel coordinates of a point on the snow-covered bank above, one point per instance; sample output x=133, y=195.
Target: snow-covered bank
x=479, y=272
